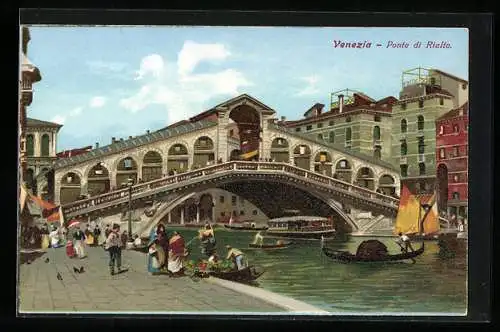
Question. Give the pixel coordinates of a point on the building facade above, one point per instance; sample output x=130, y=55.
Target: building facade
x=41, y=147
x=452, y=161
x=29, y=74
x=354, y=121
x=425, y=96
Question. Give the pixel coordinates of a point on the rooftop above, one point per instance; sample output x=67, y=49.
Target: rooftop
x=30, y=122
x=456, y=112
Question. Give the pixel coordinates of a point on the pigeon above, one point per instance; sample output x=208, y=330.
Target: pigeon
x=59, y=277
x=47, y=260
x=81, y=269
x=76, y=270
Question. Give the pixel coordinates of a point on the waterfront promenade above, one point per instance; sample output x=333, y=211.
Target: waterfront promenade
x=96, y=290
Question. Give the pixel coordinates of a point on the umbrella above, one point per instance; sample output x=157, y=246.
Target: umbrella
x=73, y=223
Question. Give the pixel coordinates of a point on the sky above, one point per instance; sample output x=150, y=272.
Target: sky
x=103, y=82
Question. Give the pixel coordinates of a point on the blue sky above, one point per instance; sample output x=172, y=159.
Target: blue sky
x=101, y=82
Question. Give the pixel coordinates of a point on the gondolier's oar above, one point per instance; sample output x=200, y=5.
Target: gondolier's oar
x=405, y=251
x=189, y=242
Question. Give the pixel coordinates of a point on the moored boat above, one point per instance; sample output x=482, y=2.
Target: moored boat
x=300, y=227
x=275, y=246
x=251, y=227
x=249, y=273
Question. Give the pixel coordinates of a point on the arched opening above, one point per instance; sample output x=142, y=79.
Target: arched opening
x=442, y=187
x=152, y=166
x=126, y=169
x=323, y=163
x=348, y=135
x=45, y=145
x=49, y=176
x=365, y=178
x=203, y=152
x=387, y=185
x=331, y=137
x=206, y=207
x=189, y=208
x=280, y=150
x=343, y=170
x=420, y=122
x=98, y=180
x=235, y=154
x=178, y=159
x=404, y=126
x=248, y=121
x=376, y=133
x=70, y=188
x=302, y=156
x=30, y=145
x=29, y=179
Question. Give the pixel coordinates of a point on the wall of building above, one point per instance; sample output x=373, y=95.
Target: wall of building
x=227, y=203
x=458, y=88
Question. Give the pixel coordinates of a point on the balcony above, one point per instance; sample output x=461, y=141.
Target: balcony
x=402, y=136
x=377, y=142
x=420, y=132
x=348, y=144
x=421, y=158
x=403, y=160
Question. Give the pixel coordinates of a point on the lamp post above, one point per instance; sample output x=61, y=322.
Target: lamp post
x=130, y=183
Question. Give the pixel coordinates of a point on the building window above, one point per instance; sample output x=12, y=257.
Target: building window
x=231, y=133
x=420, y=122
x=221, y=199
x=455, y=151
x=280, y=141
x=45, y=145
x=455, y=128
x=320, y=137
x=343, y=164
x=348, y=134
x=30, y=145
x=404, y=148
x=297, y=129
x=441, y=153
x=403, y=106
x=332, y=137
x=376, y=133
x=348, y=119
x=331, y=123
x=433, y=81
x=404, y=170
x=441, y=130
x=127, y=163
x=421, y=145
x=456, y=195
x=464, y=86
x=441, y=101
x=376, y=118
x=254, y=212
x=319, y=125
x=421, y=103
x=455, y=178
x=233, y=200
x=309, y=127
x=242, y=213
x=404, y=126
x=377, y=152
x=421, y=168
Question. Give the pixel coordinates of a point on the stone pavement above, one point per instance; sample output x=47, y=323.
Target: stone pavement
x=133, y=291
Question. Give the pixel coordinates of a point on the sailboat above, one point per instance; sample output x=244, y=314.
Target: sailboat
x=418, y=216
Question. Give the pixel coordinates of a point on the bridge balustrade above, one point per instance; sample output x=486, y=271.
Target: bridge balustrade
x=229, y=166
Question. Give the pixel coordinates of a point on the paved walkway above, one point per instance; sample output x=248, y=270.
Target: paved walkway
x=134, y=291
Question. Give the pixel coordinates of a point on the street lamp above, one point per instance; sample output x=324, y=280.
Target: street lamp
x=130, y=183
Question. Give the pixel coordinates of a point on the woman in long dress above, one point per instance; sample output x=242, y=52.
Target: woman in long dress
x=156, y=257
x=176, y=254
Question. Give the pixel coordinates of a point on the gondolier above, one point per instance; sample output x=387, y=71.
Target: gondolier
x=404, y=242
x=259, y=239
x=236, y=256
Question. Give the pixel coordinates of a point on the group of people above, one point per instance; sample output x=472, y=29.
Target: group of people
x=166, y=254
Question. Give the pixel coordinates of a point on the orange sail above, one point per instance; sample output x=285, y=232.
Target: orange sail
x=407, y=221
x=431, y=221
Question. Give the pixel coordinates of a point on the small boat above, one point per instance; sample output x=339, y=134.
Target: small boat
x=247, y=274
x=300, y=227
x=275, y=246
x=252, y=227
x=347, y=257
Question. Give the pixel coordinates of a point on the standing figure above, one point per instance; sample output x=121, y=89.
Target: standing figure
x=113, y=245
x=156, y=256
x=404, y=240
x=97, y=234
x=54, y=237
x=78, y=238
x=208, y=242
x=259, y=239
x=176, y=254
x=161, y=235
x=236, y=256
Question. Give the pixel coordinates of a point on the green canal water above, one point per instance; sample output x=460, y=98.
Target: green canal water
x=432, y=285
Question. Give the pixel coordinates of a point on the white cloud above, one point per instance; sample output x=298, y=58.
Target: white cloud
x=97, y=101
x=193, y=53
x=177, y=88
x=59, y=119
x=76, y=111
x=310, y=88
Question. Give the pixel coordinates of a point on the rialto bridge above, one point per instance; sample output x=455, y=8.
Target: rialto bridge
x=237, y=146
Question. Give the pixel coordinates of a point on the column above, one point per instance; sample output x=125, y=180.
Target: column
x=57, y=190
x=169, y=217
x=38, y=145
x=182, y=214
x=54, y=147
x=221, y=136
x=112, y=179
x=198, y=213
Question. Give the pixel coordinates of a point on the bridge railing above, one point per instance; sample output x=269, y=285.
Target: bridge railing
x=122, y=194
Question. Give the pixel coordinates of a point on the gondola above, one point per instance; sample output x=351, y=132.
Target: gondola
x=247, y=274
x=246, y=228
x=347, y=257
x=283, y=245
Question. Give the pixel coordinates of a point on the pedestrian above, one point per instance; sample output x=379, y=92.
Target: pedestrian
x=113, y=246
x=54, y=237
x=78, y=242
x=97, y=234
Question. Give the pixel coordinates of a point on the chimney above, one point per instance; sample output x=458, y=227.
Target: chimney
x=283, y=118
x=341, y=103
x=130, y=137
x=113, y=140
x=147, y=131
x=97, y=145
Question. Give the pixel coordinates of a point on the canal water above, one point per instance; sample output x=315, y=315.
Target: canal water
x=432, y=285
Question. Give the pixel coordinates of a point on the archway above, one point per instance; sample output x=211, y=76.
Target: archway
x=387, y=185
x=206, y=206
x=30, y=145
x=280, y=150
x=302, y=157
x=365, y=178
x=442, y=187
x=98, y=180
x=70, y=188
x=126, y=169
x=190, y=209
x=323, y=163
x=45, y=145
x=235, y=155
x=203, y=152
x=248, y=121
x=343, y=171
x=29, y=179
x=152, y=166
x=178, y=158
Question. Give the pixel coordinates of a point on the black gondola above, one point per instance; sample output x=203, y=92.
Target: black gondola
x=347, y=257
x=246, y=228
x=283, y=245
x=247, y=274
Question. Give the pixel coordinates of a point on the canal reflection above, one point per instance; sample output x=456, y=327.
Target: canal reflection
x=432, y=285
